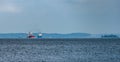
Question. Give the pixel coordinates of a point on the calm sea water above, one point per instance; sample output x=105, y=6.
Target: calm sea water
x=59, y=50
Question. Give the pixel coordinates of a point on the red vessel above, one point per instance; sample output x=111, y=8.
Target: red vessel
x=30, y=35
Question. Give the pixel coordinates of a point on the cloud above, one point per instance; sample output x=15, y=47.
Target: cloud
x=9, y=6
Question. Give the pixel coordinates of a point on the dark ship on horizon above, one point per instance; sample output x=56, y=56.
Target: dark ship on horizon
x=109, y=36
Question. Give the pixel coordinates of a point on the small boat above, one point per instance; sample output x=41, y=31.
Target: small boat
x=39, y=35
x=30, y=35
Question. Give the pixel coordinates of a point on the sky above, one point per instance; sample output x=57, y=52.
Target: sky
x=60, y=16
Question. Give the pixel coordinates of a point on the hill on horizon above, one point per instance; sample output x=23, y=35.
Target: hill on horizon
x=45, y=35
x=53, y=35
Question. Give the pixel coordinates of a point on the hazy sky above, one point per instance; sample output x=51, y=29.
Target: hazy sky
x=60, y=16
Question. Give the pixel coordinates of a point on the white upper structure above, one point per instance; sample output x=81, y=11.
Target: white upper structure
x=40, y=34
